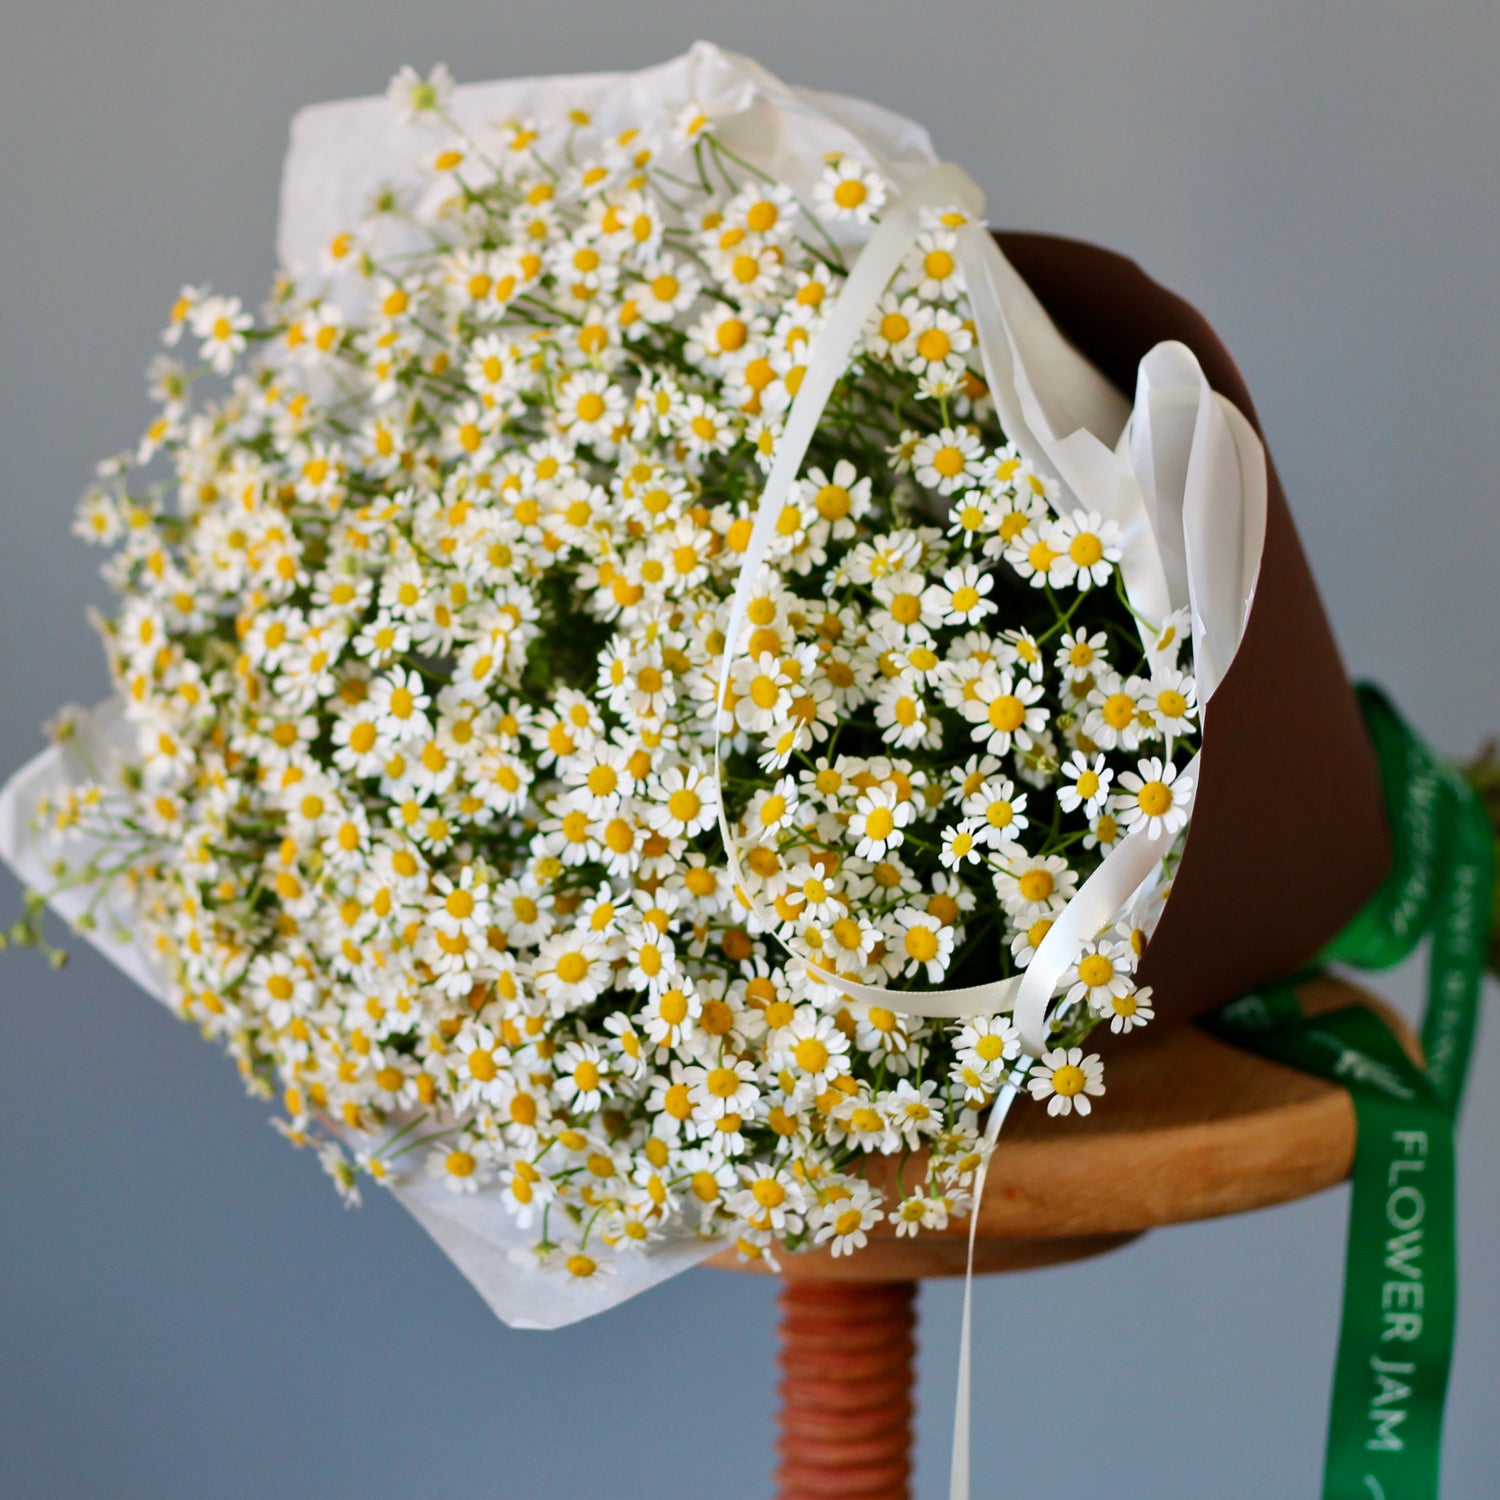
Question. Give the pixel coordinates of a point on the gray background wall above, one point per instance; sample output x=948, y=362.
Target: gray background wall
x=184, y=1308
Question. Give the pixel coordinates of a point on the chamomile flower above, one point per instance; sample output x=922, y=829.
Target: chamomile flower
x=840, y=498
x=878, y=822
x=398, y=704
x=1005, y=712
x=849, y=190
x=963, y=596
x=948, y=460
x=570, y=971
x=1172, y=701
x=220, y=324
x=1155, y=796
x=1086, y=783
x=960, y=846
x=923, y=943
x=725, y=1088
x=1067, y=1080
x=811, y=1046
x=590, y=407
x=770, y=1200
x=1130, y=1010
x=581, y=1071
x=416, y=98
x=684, y=801
x=1080, y=655
x=1088, y=548
x=1099, y=975
x=986, y=1043
x=892, y=332
x=461, y=905
x=942, y=341
x=844, y=1219
x=458, y=1166
x=934, y=263
x=1116, y=718
x=1035, y=886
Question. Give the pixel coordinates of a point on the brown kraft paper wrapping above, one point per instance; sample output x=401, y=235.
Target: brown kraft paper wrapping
x=1288, y=836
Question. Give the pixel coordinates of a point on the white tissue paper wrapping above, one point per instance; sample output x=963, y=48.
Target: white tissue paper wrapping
x=1183, y=472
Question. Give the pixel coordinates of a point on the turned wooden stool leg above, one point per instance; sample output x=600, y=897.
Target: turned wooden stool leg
x=846, y=1363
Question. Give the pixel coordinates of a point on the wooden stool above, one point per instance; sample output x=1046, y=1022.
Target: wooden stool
x=1190, y=1128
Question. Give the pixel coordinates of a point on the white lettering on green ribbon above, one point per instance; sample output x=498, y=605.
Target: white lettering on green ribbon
x=1401, y=1298
x=1420, y=811
x=1385, y=1414
x=1464, y=930
x=1354, y=1066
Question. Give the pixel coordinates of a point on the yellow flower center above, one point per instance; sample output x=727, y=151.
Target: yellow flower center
x=571, y=967
x=1155, y=798
x=1041, y=556
x=1095, y=970
x=934, y=345
x=811, y=1054
x=1086, y=549
x=1067, y=1080
x=723, y=1083
x=948, y=460
x=921, y=944
x=833, y=502
x=1007, y=713
x=762, y=216
x=769, y=1193
x=717, y=1018
x=684, y=805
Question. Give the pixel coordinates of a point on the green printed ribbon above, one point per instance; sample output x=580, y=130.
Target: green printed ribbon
x=1400, y=1280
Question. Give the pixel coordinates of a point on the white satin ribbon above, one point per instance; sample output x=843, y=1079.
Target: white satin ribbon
x=958, y=1473
x=1183, y=475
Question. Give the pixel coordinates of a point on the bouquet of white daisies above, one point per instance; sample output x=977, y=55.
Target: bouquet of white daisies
x=449, y=655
